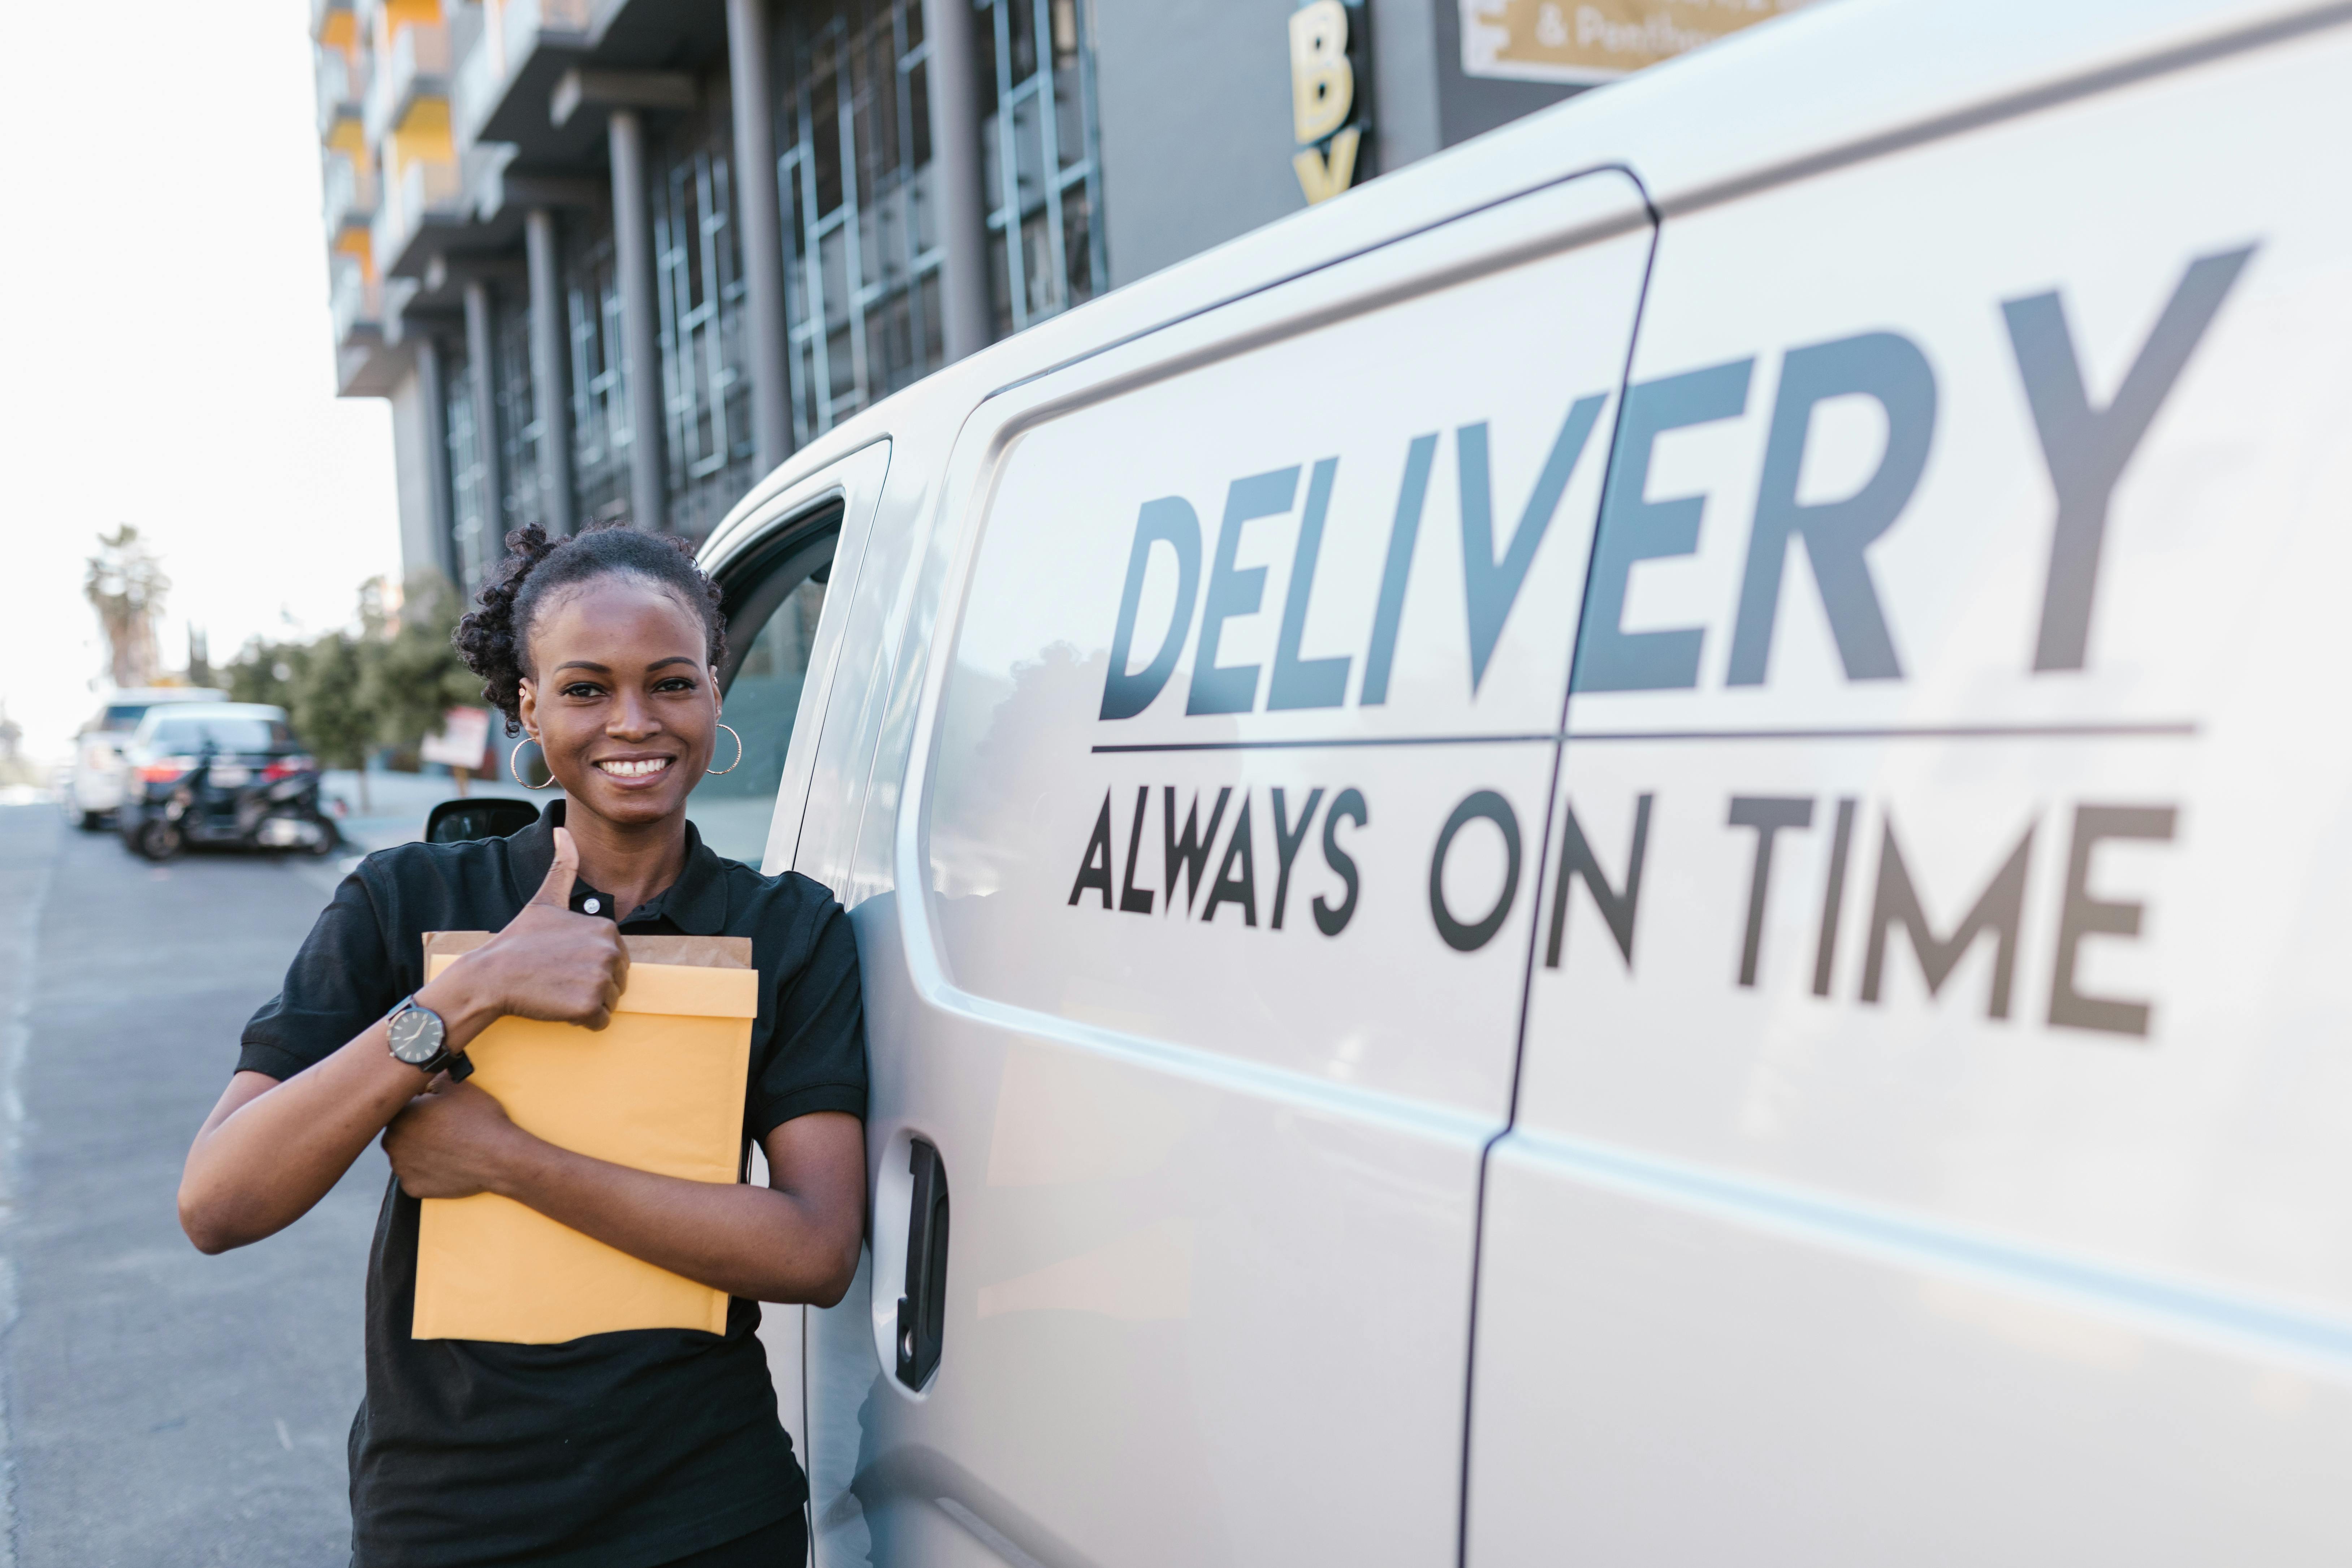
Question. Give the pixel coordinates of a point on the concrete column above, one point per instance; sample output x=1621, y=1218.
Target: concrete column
x=481, y=370
x=429, y=372
x=1405, y=69
x=550, y=389
x=747, y=49
x=957, y=113
x=633, y=256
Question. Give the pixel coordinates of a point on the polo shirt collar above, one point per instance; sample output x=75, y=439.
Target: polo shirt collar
x=696, y=903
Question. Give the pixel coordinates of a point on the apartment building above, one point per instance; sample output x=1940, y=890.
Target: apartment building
x=616, y=259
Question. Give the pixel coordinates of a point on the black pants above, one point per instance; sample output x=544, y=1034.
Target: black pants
x=783, y=1544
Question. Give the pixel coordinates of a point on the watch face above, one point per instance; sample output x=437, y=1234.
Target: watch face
x=417, y=1036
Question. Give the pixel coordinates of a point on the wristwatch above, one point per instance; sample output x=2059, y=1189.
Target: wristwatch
x=421, y=1039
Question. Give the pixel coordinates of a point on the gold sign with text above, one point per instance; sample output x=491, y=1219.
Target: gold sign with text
x=1323, y=94
x=1576, y=41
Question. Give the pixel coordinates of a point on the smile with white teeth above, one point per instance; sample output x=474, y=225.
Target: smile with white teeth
x=642, y=767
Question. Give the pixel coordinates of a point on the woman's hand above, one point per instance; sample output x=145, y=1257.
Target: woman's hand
x=452, y=1141
x=547, y=964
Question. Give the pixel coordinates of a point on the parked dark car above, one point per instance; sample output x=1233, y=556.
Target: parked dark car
x=225, y=774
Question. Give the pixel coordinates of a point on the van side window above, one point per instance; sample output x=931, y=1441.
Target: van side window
x=771, y=632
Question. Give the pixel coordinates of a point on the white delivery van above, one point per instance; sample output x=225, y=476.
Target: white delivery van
x=1635, y=849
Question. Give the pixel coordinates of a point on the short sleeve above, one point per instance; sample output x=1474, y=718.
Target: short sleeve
x=342, y=981
x=816, y=1054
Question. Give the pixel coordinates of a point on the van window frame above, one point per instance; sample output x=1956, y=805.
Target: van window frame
x=755, y=581
x=752, y=585
x=754, y=561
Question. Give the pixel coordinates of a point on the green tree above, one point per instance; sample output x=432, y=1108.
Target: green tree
x=329, y=708
x=417, y=676
x=262, y=672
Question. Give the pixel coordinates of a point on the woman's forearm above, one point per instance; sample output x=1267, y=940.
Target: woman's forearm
x=271, y=1150
x=751, y=1241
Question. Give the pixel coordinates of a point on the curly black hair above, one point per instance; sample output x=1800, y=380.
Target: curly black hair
x=495, y=638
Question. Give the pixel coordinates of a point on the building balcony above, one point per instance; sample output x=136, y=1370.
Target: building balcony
x=526, y=25
x=351, y=193
x=473, y=89
x=341, y=88
x=355, y=301
x=502, y=88
x=428, y=196
x=415, y=67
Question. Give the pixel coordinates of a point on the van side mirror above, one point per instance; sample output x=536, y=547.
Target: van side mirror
x=479, y=817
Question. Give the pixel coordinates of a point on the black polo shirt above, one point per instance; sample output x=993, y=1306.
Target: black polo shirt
x=617, y=1450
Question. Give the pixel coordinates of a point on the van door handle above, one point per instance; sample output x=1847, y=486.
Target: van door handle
x=922, y=1310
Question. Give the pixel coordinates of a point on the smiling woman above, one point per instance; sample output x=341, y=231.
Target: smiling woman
x=648, y=1447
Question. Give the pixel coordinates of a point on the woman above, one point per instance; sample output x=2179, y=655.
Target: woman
x=621, y=1450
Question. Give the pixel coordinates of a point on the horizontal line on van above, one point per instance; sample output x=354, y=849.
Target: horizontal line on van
x=2219, y=1316
x=2174, y=730
x=1331, y=742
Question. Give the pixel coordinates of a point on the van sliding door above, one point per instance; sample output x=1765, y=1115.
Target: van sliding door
x=1924, y=1150
x=1202, y=992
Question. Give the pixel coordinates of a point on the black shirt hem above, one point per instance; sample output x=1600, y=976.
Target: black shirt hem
x=650, y=1551
x=848, y=1097
x=252, y=1055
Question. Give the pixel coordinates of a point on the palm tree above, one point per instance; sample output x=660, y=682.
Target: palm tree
x=127, y=587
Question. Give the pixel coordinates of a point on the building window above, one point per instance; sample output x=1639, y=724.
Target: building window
x=471, y=505
x=853, y=177
x=698, y=273
x=1047, y=249
x=519, y=423
x=599, y=395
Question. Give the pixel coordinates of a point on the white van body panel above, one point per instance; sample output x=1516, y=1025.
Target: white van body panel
x=2069, y=1224
x=1792, y=1275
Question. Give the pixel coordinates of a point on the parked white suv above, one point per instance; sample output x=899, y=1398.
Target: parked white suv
x=94, y=785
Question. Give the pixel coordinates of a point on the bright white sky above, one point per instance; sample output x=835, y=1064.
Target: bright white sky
x=165, y=341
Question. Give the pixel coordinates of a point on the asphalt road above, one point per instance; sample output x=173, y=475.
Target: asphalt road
x=158, y=1408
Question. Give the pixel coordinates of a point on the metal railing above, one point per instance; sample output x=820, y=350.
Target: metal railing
x=338, y=94
x=522, y=23
x=416, y=66
x=427, y=188
x=476, y=89
x=514, y=30
x=353, y=299
x=351, y=193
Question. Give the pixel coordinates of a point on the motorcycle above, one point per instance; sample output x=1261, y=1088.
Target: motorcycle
x=228, y=803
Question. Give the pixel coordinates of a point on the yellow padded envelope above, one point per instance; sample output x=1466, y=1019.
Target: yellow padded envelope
x=660, y=1088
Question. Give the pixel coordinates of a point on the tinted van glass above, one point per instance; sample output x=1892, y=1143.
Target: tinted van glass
x=732, y=809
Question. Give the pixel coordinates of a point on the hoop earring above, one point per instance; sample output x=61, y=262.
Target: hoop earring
x=739, y=753
x=516, y=768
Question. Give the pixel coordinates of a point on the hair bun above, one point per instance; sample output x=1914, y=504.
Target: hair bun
x=493, y=637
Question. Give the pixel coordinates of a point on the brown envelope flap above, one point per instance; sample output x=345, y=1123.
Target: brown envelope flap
x=694, y=951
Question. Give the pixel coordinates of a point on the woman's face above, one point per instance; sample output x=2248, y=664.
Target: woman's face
x=622, y=700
